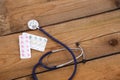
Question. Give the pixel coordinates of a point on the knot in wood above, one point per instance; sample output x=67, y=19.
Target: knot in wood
x=113, y=42
x=117, y=3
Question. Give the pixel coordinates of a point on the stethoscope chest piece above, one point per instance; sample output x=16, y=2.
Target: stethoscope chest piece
x=33, y=24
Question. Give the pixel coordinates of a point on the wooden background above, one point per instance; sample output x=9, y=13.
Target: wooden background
x=93, y=23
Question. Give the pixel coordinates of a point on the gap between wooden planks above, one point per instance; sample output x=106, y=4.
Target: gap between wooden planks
x=102, y=69
x=15, y=14
x=69, y=33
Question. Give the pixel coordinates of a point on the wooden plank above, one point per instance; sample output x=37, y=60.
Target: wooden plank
x=50, y=12
x=25, y=78
x=3, y=22
x=102, y=69
x=79, y=30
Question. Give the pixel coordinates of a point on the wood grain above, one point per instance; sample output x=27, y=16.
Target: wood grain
x=49, y=12
x=4, y=24
x=2, y=7
x=83, y=30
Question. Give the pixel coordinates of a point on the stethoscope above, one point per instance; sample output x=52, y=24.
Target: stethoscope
x=33, y=24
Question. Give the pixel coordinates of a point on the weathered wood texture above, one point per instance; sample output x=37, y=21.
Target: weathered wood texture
x=90, y=32
x=3, y=22
x=15, y=14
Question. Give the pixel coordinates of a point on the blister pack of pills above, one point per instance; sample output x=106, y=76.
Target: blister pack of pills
x=37, y=42
x=24, y=43
x=30, y=41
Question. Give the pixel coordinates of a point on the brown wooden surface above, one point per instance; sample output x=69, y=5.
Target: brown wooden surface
x=15, y=14
x=94, y=33
x=103, y=69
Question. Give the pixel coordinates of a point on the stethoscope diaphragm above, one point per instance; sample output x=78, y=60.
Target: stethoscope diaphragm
x=33, y=24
